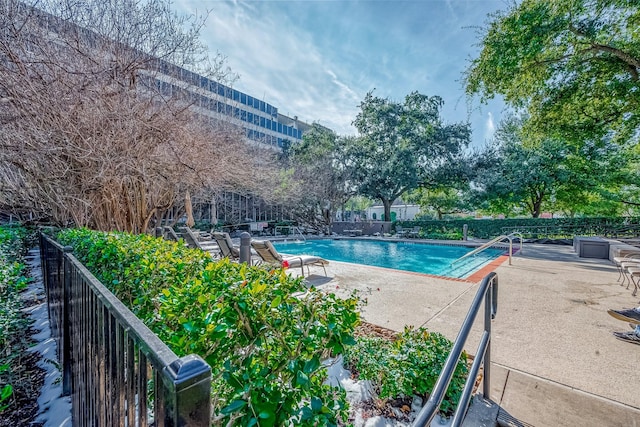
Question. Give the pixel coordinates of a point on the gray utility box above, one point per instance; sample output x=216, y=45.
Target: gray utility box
x=591, y=247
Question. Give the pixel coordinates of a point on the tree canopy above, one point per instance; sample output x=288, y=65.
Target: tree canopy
x=402, y=146
x=574, y=66
x=321, y=181
x=514, y=176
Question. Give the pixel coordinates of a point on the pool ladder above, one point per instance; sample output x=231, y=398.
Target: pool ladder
x=498, y=239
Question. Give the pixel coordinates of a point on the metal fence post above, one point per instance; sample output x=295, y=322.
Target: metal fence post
x=65, y=351
x=490, y=308
x=465, y=230
x=245, y=247
x=188, y=392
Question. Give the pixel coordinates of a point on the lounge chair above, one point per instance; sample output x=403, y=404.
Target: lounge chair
x=270, y=255
x=227, y=250
x=193, y=241
x=170, y=234
x=400, y=231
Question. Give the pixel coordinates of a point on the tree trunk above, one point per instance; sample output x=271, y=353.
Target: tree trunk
x=387, y=208
x=536, y=208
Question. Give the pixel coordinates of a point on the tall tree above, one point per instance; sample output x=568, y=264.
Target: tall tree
x=515, y=175
x=512, y=174
x=574, y=65
x=320, y=176
x=402, y=146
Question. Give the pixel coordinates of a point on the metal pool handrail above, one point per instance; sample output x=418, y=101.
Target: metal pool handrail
x=492, y=242
x=488, y=291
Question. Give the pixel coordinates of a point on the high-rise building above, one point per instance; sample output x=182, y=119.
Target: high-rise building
x=260, y=120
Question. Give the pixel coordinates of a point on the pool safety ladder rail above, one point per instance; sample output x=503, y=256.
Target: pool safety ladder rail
x=498, y=239
x=488, y=291
x=293, y=231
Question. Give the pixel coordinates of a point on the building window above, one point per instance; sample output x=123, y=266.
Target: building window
x=243, y=98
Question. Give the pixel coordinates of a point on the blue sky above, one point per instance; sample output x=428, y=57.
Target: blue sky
x=318, y=59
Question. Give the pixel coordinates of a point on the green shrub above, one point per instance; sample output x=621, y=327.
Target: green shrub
x=13, y=342
x=409, y=365
x=529, y=227
x=262, y=332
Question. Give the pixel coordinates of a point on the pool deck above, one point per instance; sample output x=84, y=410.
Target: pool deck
x=554, y=359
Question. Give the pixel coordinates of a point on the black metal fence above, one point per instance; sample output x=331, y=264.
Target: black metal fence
x=117, y=372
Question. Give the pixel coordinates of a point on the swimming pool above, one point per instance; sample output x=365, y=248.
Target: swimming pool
x=407, y=256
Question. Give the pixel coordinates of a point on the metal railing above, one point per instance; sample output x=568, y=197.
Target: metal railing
x=493, y=242
x=290, y=231
x=488, y=291
x=568, y=231
x=115, y=369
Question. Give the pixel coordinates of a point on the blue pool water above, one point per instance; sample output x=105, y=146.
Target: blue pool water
x=408, y=256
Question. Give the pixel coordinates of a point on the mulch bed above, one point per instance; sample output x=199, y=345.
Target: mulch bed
x=27, y=383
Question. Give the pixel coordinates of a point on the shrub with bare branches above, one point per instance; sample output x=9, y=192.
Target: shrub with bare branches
x=87, y=133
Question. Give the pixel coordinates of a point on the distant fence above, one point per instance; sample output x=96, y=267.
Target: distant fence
x=362, y=227
x=117, y=372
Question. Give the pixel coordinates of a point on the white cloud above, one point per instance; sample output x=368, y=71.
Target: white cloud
x=489, y=127
x=317, y=60
x=278, y=62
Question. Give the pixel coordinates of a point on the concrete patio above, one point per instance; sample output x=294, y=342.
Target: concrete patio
x=554, y=359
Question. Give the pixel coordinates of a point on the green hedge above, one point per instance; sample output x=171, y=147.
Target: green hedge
x=530, y=227
x=262, y=332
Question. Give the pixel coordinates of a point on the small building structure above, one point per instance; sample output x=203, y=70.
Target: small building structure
x=399, y=212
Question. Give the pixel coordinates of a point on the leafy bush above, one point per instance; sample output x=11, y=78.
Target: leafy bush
x=529, y=227
x=12, y=322
x=444, y=236
x=409, y=365
x=262, y=332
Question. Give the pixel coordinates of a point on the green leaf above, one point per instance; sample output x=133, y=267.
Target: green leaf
x=276, y=301
x=266, y=415
x=311, y=365
x=6, y=391
x=302, y=378
x=234, y=406
x=316, y=404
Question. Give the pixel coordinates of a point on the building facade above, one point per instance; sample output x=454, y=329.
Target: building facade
x=260, y=120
